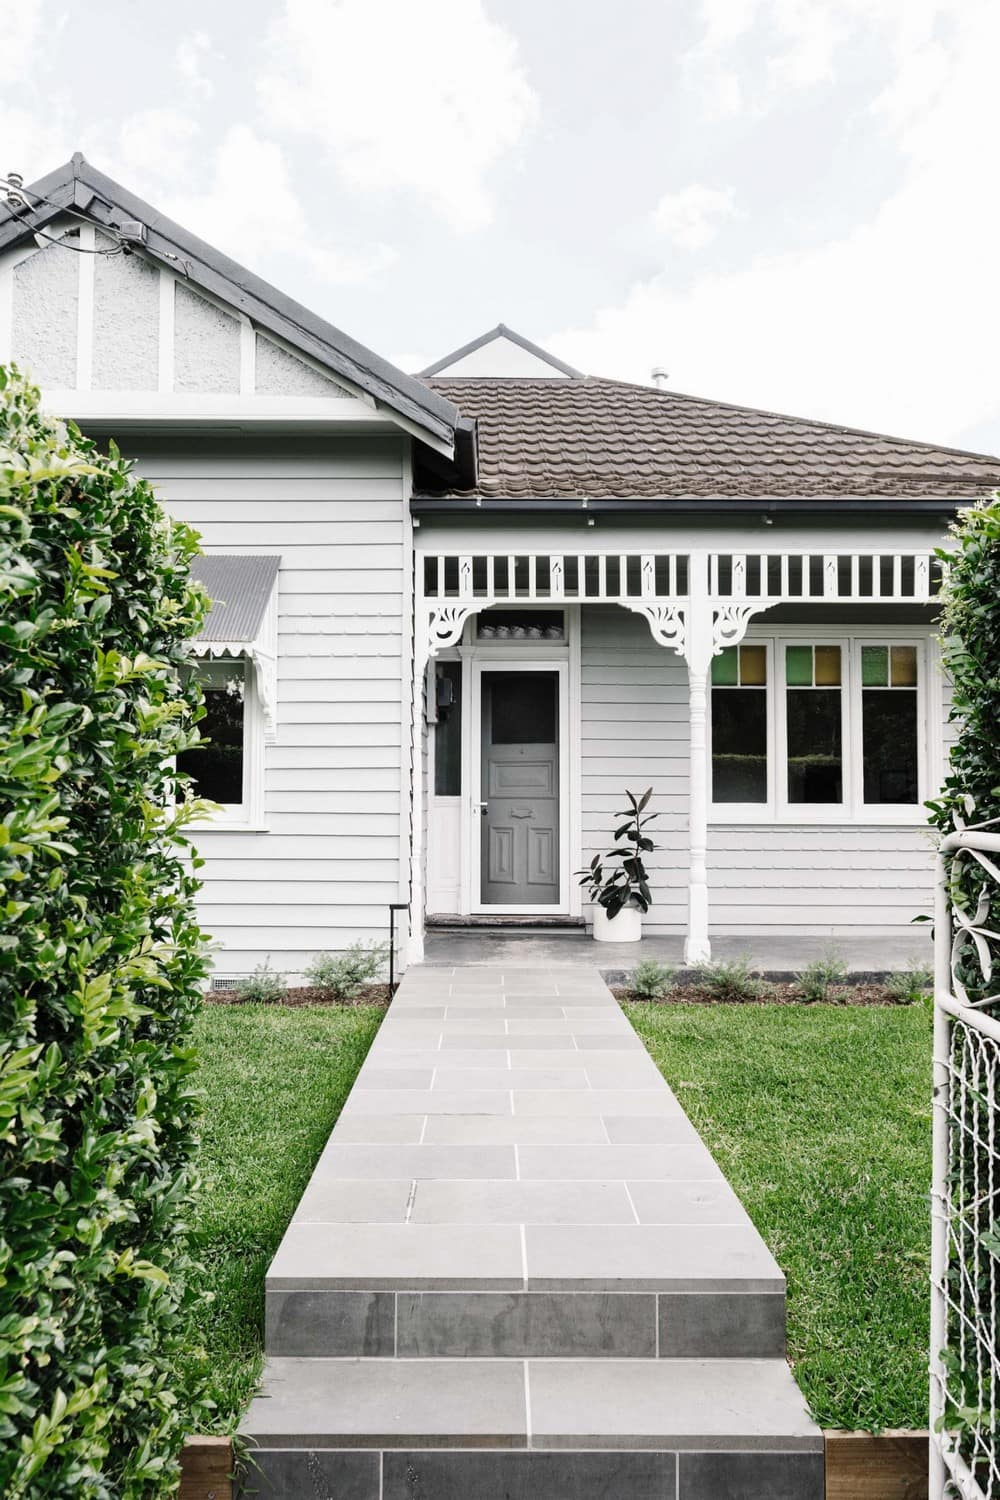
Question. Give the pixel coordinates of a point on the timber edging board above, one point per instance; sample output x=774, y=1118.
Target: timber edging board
x=859, y=1466
x=891, y=1466
x=206, y=1469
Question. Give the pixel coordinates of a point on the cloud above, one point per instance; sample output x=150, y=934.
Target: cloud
x=426, y=98
x=754, y=54
x=20, y=35
x=247, y=205
x=894, y=325
x=690, y=218
x=193, y=52
x=239, y=196
x=156, y=142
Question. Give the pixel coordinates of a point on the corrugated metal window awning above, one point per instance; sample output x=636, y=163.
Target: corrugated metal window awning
x=243, y=619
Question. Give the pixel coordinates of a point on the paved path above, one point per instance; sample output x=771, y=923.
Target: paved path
x=518, y=1272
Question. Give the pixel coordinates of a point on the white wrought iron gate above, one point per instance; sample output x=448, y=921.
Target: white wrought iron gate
x=965, y=1249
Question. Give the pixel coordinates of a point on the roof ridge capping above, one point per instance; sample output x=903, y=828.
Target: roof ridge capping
x=78, y=186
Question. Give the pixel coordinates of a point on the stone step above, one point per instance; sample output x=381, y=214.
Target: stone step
x=575, y=1324
x=469, y=1429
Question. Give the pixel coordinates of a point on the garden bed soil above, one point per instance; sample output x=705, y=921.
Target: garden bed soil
x=771, y=993
x=306, y=994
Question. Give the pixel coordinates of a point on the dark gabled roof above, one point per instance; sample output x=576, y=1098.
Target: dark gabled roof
x=80, y=187
x=240, y=588
x=594, y=439
x=501, y=331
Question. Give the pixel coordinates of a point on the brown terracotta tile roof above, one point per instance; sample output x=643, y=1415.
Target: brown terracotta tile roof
x=605, y=439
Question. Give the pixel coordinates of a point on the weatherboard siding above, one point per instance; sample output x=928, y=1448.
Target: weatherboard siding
x=634, y=734
x=829, y=881
x=322, y=874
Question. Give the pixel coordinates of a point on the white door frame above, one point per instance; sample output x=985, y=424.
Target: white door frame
x=514, y=661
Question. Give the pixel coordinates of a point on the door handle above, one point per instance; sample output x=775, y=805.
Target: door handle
x=480, y=807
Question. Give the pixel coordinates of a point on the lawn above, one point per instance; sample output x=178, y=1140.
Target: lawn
x=820, y=1117
x=274, y=1081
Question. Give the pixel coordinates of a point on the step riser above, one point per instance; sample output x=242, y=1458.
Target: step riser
x=627, y=1325
x=421, y=1474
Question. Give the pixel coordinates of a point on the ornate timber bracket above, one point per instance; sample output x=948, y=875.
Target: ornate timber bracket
x=730, y=621
x=445, y=623
x=666, y=622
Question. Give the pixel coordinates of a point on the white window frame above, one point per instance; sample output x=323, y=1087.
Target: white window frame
x=813, y=812
x=248, y=814
x=749, y=812
x=852, y=810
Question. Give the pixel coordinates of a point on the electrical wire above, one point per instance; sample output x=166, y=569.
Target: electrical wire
x=17, y=200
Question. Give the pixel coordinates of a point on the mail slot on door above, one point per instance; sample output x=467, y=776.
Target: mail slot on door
x=521, y=812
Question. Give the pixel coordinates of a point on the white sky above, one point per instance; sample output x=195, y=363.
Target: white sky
x=787, y=203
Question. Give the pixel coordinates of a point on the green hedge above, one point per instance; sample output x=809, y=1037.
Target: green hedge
x=101, y=966
x=970, y=633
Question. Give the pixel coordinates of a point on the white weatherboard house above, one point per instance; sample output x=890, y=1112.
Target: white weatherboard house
x=457, y=615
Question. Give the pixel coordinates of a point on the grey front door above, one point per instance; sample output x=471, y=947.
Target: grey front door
x=520, y=789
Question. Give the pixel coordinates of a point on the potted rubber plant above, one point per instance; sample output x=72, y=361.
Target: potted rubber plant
x=617, y=882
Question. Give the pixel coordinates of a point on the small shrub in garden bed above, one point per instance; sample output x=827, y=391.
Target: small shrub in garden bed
x=344, y=974
x=651, y=980
x=815, y=982
x=730, y=980
x=103, y=966
x=264, y=987
x=910, y=985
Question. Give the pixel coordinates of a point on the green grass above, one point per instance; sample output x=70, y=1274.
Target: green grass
x=274, y=1082
x=820, y=1117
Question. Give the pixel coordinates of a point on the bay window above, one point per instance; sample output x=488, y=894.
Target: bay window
x=806, y=729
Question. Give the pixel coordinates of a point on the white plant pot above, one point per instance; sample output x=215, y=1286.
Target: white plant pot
x=626, y=927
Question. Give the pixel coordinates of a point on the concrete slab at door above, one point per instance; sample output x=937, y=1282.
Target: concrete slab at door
x=520, y=789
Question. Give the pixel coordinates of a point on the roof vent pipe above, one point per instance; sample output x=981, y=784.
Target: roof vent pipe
x=660, y=377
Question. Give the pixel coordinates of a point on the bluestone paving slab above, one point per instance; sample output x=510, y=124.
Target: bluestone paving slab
x=592, y=1102
x=547, y=1012
x=682, y=1404
x=518, y=1129
x=385, y=1257
x=650, y=1257
x=751, y=1476
x=515, y=1325
x=380, y=1159
x=665, y=1130
x=427, y=1102
x=530, y=1476
x=560, y=1025
x=707, y=1201
x=292, y=1473
x=367, y=1403
x=647, y=1130
x=550, y=1077
x=402, y=1128
x=623, y=1075
x=521, y=1203
x=329, y=1324
x=340, y=1200
x=626, y=1163
x=721, y=1325
x=395, y=1078
x=441, y=1062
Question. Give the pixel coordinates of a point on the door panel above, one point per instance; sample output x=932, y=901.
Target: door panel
x=520, y=781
